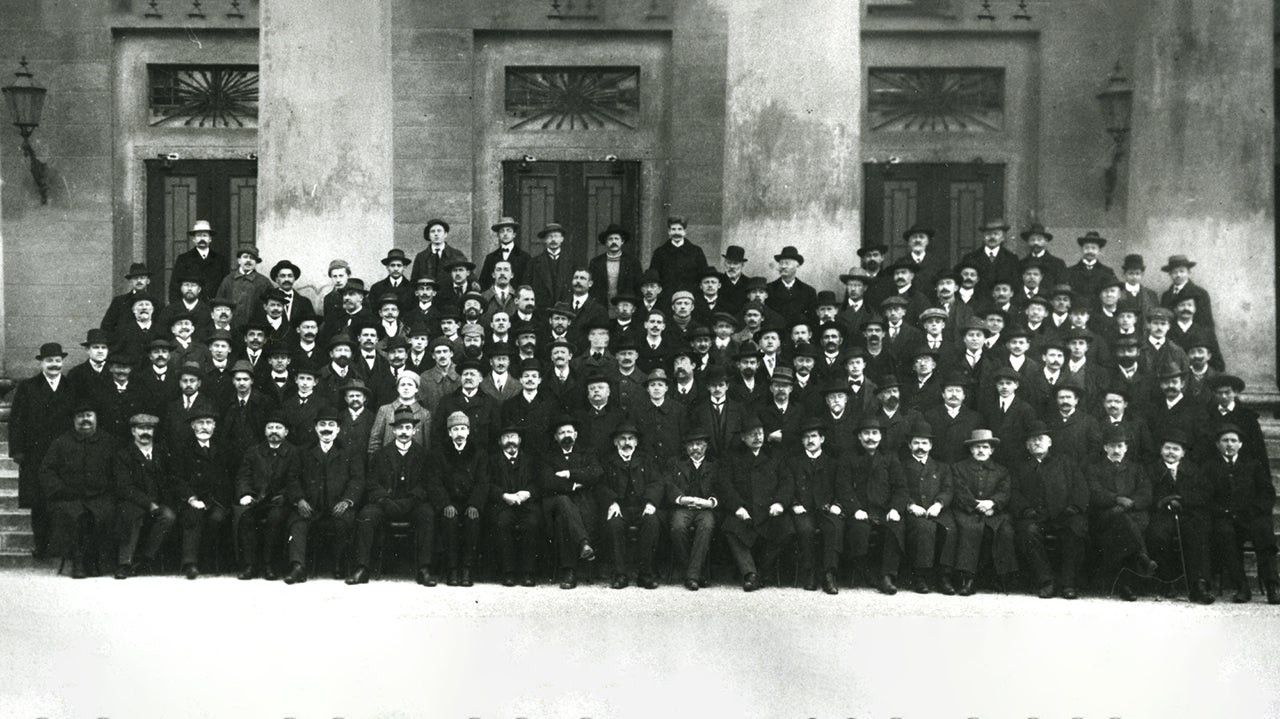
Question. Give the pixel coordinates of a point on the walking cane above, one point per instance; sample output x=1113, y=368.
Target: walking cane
x=1186, y=579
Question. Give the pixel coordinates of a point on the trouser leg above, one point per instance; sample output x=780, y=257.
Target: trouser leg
x=1030, y=537
x=368, y=522
x=129, y=528
x=892, y=547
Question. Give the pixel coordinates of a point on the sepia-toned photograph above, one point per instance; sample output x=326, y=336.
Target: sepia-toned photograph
x=888, y=359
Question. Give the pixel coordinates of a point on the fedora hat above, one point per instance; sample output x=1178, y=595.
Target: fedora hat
x=1092, y=236
x=734, y=253
x=1226, y=380
x=624, y=427
x=137, y=269
x=1177, y=261
x=460, y=262
x=504, y=221
x=613, y=229
x=789, y=253
x=1036, y=229
x=549, y=228
x=880, y=247
x=995, y=223
x=982, y=435
x=918, y=229
x=201, y=226
x=426, y=229
x=50, y=349
x=856, y=273
x=355, y=384
x=355, y=284
x=395, y=253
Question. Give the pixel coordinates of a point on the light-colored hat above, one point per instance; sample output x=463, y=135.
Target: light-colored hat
x=457, y=418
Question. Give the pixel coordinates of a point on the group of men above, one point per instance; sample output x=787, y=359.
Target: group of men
x=549, y=404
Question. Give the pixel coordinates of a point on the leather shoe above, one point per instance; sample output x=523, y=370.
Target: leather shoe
x=704, y=582
x=829, y=583
x=465, y=581
x=810, y=584
x=1069, y=593
x=248, y=573
x=1127, y=593
x=269, y=574
x=570, y=580
x=296, y=575
x=509, y=580
x=192, y=571
x=1046, y=590
x=750, y=583
x=123, y=571
x=691, y=585
x=425, y=578
x=1200, y=592
x=619, y=582
x=919, y=585
x=360, y=576
x=1242, y=596
x=529, y=581
x=451, y=579
x=1273, y=593
x=886, y=585
x=944, y=585
x=1146, y=565
x=587, y=554
x=647, y=582
x=966, y=587
x=141, y=568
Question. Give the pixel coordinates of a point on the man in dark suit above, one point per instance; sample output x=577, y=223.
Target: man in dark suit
x=631, y=490
x=677, y=261
x=91, y=376
x=754, y=494
x=1179, y=270
x=331, y=482
x=143, y=482
x=1180, y=518
x=1052, y=267
x=1119, y=502
x=993, y=260
x=929, y=264
x=953, y=421
x=614, y=272
x=790, y=297
x=693, y=482
x=266, y=472
x=199, y=262
x=927, y=483
x=567, y=485
x=41, y=411
x=1050, y=495
x=395, y=282
x=514, y=505
x=120, y=310
x=551, y=272
x=296, y=307
x=1087, y=276
x=720, y=416
x=733, y=289
x=431, y=262
x=75, y=477
x=1241, y=506
x=506, y=229
x=981, y=505
x=819, y=495
x=203, y=481
x=857, y=308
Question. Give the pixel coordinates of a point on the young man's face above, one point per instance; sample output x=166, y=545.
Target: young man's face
x=968, y=278
x=500, y=322
x=1037, y=242
x=339, y=276
x=1179, y=275
x=1078, y=348
x=945, y=289
x=502, y=273
x=1053, y=358
x=1090, y=250
x=856, y=288
x=183, y=329
x=1067, y=401
x=1001, y=292
x=437, y=235
x=553, y=241
x=138, y=283
x=395, y=268
x=307, y=330
x=1006, y=387
x=1114, y=405
x=459, y=274
x=506, y=234
x=1158, y=327
x=1018, y=346
x=246, y=262
x=530, y=379
x=97, y=352
x=650, y=291
x=189, y=384
x=220, y=349
x=306, y=383
x=980, y=451
x=285, y=278
x=425, y=291
x=368, y=339
x=710, y=286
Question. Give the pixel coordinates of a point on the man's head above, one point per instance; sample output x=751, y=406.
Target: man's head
x=85, y=420
x=143, y=429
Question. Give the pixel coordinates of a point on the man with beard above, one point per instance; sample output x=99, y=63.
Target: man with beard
x=398, y=492
x=120, y=400
x=134, y=335
x=190, y=303
x=567, y=485
x=75, y=476
x=613, y=272
x=143, y=485
x=693, y=481
x=1120, y=498
x=871, y=259
x=678, y=261
x=993, y=260
x=203, y=482
x=631, y=489
x=199, y=262
x=1180, y=514
x=980, y=503
x=856, y=307
x=1050, y=496
x=746, y=385
x=41, y=411
x=517, y=515
x=815, y=504
x=120, y=310
x=733, y=290
x=517, y=259
x=753, y=493
x=928, y=486
x=265, y=473
x=331, y=481
x=1038, y=239
x=431, y=262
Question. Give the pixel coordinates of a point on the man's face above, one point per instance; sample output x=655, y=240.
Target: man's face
x=553, y=241
x=718, y=390
x=566, y=435
x=995, y=323
x=190, y=291
x=781, y=391
x=327, y=429
x=770, y=342
x=242, y=381
x=675, y=231
x=657, y=390
x=506, y=234
x=449, y=327
x=812, y=441
x=340, y=355
x=682, y=308
x=1224, y=395
x=1109, y=296
x=655, y=325
x=86, y=422
x=974, y=339
x=855, y=366
x=924, y=365
x=502, y=273
x=872, y=260
x=918, y=241
x=1229, y=444
x=753, y=438
x=968, y=278
x=472, y=342
x=874, y=334
x=993, y=238
x=787, y=268
x=710, y=286
x=1157, y=327
x=500, y=322
x=189, y=385
x=246, y=262
x=352, y=301
x=1172, y=452
x=683, y=367
x=836, y=401
x=802, y=365
x=559, y=323
x=403, y=432
x=1002, y=292
x=1006, y=387
x=945, y=289
x=1079, y=317
x=625, y=442
x=560, y=356
x=753, y=319
x=339, y=276
x=395, y=268
x=142, y=310
x=443, y=356
x=525, y=300
x=530, y=379
x=869, y=438
x=831, y=340
x=733, y=269
x=696, y=449
x=1186, y=309
x=1031, y=277
x=368, y=339
x=275, y=432
x=97, y=353
x=355, y=399
x=424, y=291
x=459, y=274
x=953, y=395
x=626, y=310
x=509, y=441
x=138, y=283
x=980, y=451
x=1179, y=275
x=499, y=363
x=120, y=372
x=275, y=309
x=1037, y=242
x=52, y=365
x=1018, y=346
x=1061, y=304
x=279, y=362
x=389, y=311
x=396, y=357
x=921, y=447
x=747, y=367
x=1116, y=450
x=221, y=314
x=758, y=294
x=307, y=330
x=627, y=359
x=581, y=282
x=889, y=397
x=1078, y=348
x=903, y=277
x=437, y=235
x=1039, y=444
x=1198, y=356
x=856, y=288
x=1036, y=313
x=142, y=434
x=613, y=244
x=203, y=428
x=1053, y=358
x=895, y=313
x=1114, y=405
x=1133, y=276
x=1067, y=401
x=470, y=378
x=1090, y=250
x=159, y=357
x=650, y=291
x=800, y=333
x=1171, y=387
x=202, y=240
x=285, y=278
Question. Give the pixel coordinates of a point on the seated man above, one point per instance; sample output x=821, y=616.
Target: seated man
x=631, y=491
x=927, y=483
x=1243, y=497
x=143, y=485
x=693, y=484
x=1050, y=495
x=76, y=478
x=397, y=492
x=568, y=480
x=754, y=492
x=459, y=486
x=1119, y=497
x=202, y=476
x=266, y=471
x=874, y=499
x=1180, y=519
x=330, y=482
x=517, y=517
x=982, y=494
x=815, y=504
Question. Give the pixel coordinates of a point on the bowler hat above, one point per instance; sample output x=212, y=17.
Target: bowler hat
x=499, y=349
x=1159, y=313
x=341, y=338
x=251, y=251
x=1226, y=380
x=242, y=366
x=201, y=226
x=1114, y=434
x=613, y=229
x=564, y=420
x=529, y=364
x=95, y=336
x=904, y=263
x=886, y=382
x=658, y=375
x=50, y=349
x=836, y=386
x=623, y=428
x=141, y=297
x=355, y=284
x=158, y=343
x=982, y=435
x=357, y=385
x=138, y=269
x=789, y=253
x=1008, y=373
x=462, y=262
x=726, y=318
x=1177, y=436
x=564, y=309
x=734, y=253
x=813, y=424
x=1092, y=236
x=920, y=429
x=1226, y=428
x=402, y=415
x=327, y=414
x=1133, y=262
x=709, y=271
x=1036, y=229
x=191, y=368
x=285, y=265
x=502, y=222
x=623, y=297
x=201, y=410
x=426, y=229
x=827, y=297
x=1177, y=261
x=1036, y=427
x=695, y=434
x=869, y=421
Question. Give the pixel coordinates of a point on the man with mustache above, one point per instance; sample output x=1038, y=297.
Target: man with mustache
x=330, y=482
x=143, y=486
x=567, y=484
x=76, y=478
x=200, y=262
x=40, y=412
x=631, y=490
x=267, y=470
x=203, y=481
x=517, y=514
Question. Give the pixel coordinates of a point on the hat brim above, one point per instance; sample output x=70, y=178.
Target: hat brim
x=1188, y=264
x=799, y=258
x=994, y=441
x=500, y=225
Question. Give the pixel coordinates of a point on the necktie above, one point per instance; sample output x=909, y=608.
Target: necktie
x=243, y=402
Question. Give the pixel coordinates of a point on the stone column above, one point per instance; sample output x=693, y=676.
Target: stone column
x=1202, y=164
x=791, y=162
x=325, y=137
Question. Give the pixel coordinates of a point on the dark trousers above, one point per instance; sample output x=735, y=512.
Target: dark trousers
x=83, y=529
x=460, y=535
x=920, y=540
x=130, y=520
x=33, y=498
x=691, y=531
x=260, y=525
x=1162, y=543
x=342, y=527
x=565, y=520
x=1119, y=535
x=200, y=529
x=649, y=526
x=375, y=517
x=1072, y=532
x=1228, y=534
x=519, y=529
x=808, y=526
x=858, y=536
x=742, y=552
x=972, y=531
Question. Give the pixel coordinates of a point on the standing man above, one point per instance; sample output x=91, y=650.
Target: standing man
x=199, y=262
x=432, y=261
x=929, y=265
x=143, y=487
x=677, y=261
x=245, y=286
x=993, y=261
x=41, y=411
x=792, y=298
x=395, y=283
x=120, y=310
x=76, y=478
x=614, y=272
x=733, y=289
x=1087, y=276
x=506, y=229
x=1181, y=287
x=1052, y=267
x=297, y=308
x=551, y=272
x=1241, y=506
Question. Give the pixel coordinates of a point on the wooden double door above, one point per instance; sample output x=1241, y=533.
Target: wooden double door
x=952, y=198
x=584, y=197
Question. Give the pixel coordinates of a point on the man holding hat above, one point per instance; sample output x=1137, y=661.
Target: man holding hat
x=203, y=486
x=505, y=231
x=614, y=272
x=551, y=271
x=266, y=472
x=200, y=262
x=631, y=492
x=788, y=296
x=515, y=507
x=41, y=411
x=1241, y=506
x=1119, y=499
x=993, y=260
x=1052, y=267
x=76, y=480
x=567, y=484
x=331, y=482
x=1180, y=519
x=928, y=486
x=143, y=485
x=1050, y=497
x=431, y=262
x=395, y=283
x=753, y=494
x=245, y=286
x=693, y=481
x=981, y=505
x=121, y=308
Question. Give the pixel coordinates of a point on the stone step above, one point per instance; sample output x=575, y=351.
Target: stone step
x=8, y=465
x=21, y=560
x=15, y=520
x=8, y=499
x=16, y=542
